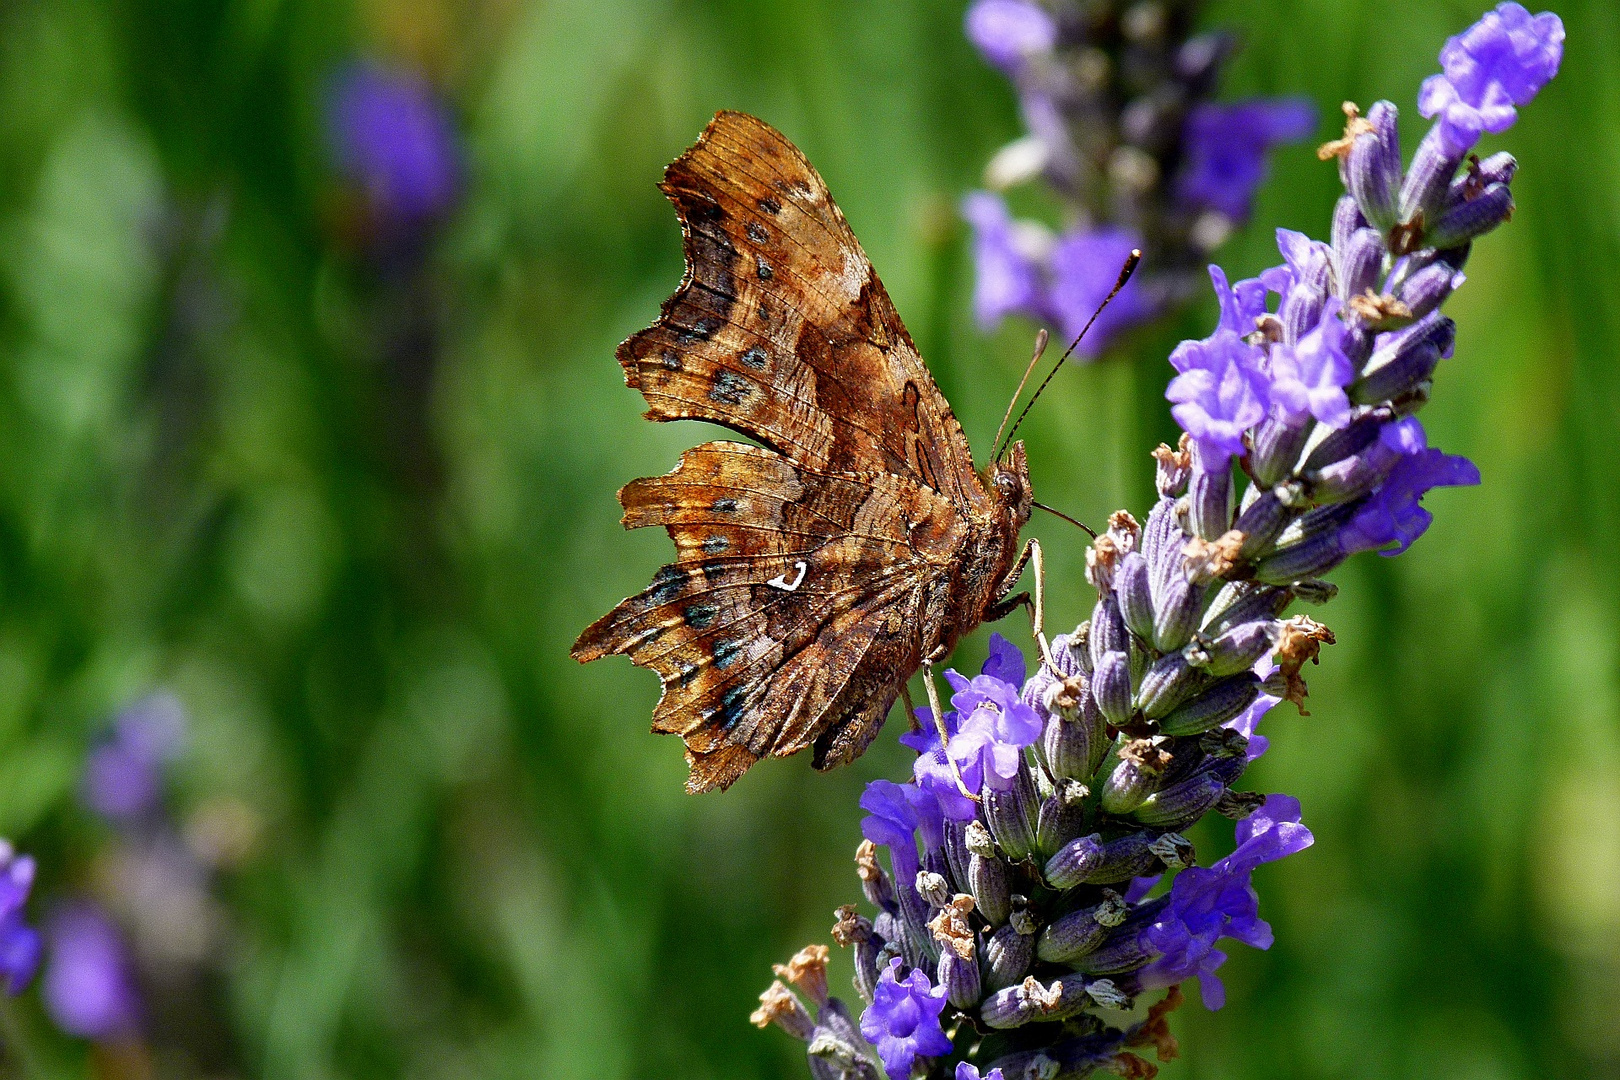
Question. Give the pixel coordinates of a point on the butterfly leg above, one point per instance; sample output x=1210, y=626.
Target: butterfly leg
x=1004, y=604
x=944, y=736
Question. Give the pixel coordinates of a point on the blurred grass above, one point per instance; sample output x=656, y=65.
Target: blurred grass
x=475, y=859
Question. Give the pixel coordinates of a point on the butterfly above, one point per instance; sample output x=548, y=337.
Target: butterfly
x=821, y=565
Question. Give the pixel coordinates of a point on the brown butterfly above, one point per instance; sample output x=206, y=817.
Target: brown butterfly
x=817, y=571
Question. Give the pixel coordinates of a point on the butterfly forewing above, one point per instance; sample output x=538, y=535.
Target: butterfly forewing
x=795, y=609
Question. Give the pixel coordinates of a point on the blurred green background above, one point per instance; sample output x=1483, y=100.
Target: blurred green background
x=362, y=577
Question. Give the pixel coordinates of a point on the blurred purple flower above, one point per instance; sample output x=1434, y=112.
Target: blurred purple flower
x=19, y=943
x=1008, y=32
x=1220, y=391
x=1207, y=904
x=1226, y=148
x=1500, y=62
x=1007, y=280
x=391, y=134
x=89, y=985
x=123, y=777
x=1246, y=721
x=903, y=1020
x=1085, y=263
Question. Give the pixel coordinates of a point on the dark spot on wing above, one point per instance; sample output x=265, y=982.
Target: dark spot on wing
x=725, y=506
x=729, y=388
x=765, y=271
x=699, y=616
x=714, y=545
x=755, y=358
x=670, y=360
x=770, y=206
x=756, y=233
x=702, y=330
x=666, y=585
x=727, y=652
x=732, y=707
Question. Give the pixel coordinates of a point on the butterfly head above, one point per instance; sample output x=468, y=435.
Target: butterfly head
x=1007, y=479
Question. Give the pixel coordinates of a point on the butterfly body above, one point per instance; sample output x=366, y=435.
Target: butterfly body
x=818, y=570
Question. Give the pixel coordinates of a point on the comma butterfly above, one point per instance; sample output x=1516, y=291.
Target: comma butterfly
x=818, y=570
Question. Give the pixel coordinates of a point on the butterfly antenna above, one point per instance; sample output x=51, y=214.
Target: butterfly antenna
x=1125, y=273
x=1072, y=521
x=1041, y=339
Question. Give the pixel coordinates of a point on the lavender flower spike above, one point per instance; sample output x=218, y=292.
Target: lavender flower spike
x=19, y=943
x=1067, y=887
x=393, y=137
x=1009, y=32
x=89, y=983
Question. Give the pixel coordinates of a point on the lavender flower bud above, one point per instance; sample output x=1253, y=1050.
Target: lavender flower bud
x=1080, y=647
x=1108, y=632
x=1428, y=288
x=1301, y=312
x=1171, y=469
x=853, y=930
x=1499, y=168
x=1214, y=706
x=1123, y=858
x=1176, y=612
x=875, y=883
x=1074, y=741
x=1103, y=992
x=1429, y=180
x=1209, y=494
x=1111, y=687
x=987, y=881
x=1359, y=262
x=1347, y=218
x=1234, y=650
x=1350, y=439
x=780, y=1006
x=1261, y=522
x=1244, y=601
x=1079, y=932
x=1126, y=949
x=1278, y=441
x=1182, y=803
x=1135, y=775
x=1011, y=815
x=1074, y=862
x=1404, y=359
x=933, y=888
x=1026, y=1002
x=1315, y=553
x=1167, y=684
x=956, y=852
x=1462, y=221
x=1062, y=816
x=916, y=943
x=1373, y=168
x=1135, y=596
x=960, y=978
x=837, y=1051
x=1007, y=957
x=1162, y=541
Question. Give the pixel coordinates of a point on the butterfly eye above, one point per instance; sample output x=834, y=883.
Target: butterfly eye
x=1007, y=485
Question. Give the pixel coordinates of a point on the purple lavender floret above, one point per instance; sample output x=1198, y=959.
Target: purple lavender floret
x=1220, y=391
x=1499, y=63
x=390, y=134
x=1310, y=375
x=20, y=945
x=1394, y=514
x=1227, y=148
x=1207, y=904
x=89, y=986
x=123, y=776
x=896, y=813
x=902, y=1021
x=1009, y=32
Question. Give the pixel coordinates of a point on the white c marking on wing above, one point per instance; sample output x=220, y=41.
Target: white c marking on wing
x=780, y=581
